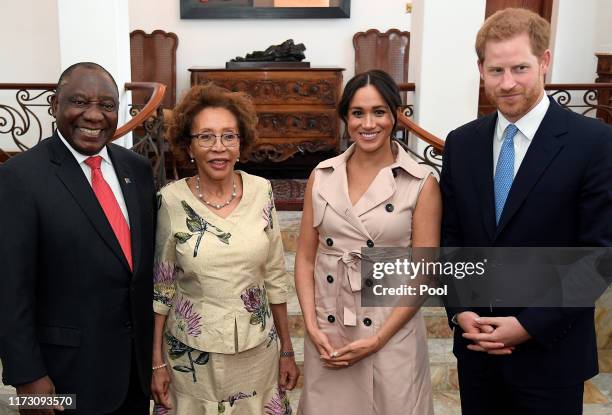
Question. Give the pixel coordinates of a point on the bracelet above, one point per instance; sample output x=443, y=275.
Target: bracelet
x=290, y=353
x=159, y=367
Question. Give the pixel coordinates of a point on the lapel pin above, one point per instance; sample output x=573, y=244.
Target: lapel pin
x=127, y=180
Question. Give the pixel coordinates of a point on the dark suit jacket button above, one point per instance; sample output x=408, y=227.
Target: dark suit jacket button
x=367, y=322
x=329, y=241
x=330, y=279
x=127, y=324
x=389, y=207
x=331, y=318
x=369, y=283
x=370, y=243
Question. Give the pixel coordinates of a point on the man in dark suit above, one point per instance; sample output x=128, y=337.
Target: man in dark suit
x=532, y=174
x=77, y=216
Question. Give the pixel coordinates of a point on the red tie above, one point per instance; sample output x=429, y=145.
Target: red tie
x=111, y=207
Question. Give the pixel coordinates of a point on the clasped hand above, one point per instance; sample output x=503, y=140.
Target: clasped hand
x=492, y=335
x=344, y=356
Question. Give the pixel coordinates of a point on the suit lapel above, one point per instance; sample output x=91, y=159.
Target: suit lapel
x=129, y=188
x=483, y=172
x=542, y=151
x=71, y=175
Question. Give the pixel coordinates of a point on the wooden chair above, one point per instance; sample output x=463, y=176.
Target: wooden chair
x=386, y=51
x=153, y=59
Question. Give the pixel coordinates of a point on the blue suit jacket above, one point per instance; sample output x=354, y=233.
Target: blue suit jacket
x=561, y=196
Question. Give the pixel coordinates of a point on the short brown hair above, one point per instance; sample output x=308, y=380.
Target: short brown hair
x=211, y=96
x=508, y=23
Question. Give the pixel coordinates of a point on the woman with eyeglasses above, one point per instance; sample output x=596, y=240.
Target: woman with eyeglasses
x=220, y=287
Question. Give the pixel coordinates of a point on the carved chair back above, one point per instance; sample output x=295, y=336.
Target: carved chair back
x=386, y=51
x=153, y=59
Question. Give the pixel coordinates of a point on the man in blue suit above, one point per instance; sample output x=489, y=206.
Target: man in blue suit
x=532, y=174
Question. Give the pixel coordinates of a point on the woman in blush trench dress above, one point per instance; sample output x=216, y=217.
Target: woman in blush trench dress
x=364, y=360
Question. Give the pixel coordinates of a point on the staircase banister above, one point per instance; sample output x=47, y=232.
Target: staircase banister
x=578, y=87
x=407, y=87
x=419, y=131
x=34, y=86
x=157, y=95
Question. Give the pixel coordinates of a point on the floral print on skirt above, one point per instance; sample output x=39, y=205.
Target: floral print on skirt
x=205, y=383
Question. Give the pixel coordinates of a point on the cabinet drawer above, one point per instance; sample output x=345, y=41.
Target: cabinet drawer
x=279, y=90
x=285, y=123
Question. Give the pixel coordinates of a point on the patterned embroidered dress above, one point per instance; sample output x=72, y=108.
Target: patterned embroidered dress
x=214, y=279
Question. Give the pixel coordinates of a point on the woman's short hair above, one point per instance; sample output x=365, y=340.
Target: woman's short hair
x=511, y=22
x=384, y=84
x=210, y=95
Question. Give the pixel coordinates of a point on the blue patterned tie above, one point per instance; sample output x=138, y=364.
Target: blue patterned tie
x=504, y=172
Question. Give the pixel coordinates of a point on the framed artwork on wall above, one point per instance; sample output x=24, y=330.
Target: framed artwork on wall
x=265, y=9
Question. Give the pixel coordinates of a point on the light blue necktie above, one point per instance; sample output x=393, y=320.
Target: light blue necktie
x=504, y=172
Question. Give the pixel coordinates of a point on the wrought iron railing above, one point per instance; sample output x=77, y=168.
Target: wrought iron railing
x=23, y=119
x=591, y=100
x=27, y=120
x=20, y=124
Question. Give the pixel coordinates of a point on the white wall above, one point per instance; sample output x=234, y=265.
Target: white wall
x=576, y=35
x=213, y=42
x=604, y=27
x=30, y=42
x=29, y=53
x=80, y=41
x=444, y=62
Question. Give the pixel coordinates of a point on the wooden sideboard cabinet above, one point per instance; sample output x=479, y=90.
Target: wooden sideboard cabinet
x=296, y=108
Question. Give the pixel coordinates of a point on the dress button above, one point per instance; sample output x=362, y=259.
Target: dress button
x=331, y=318
x=389, y=207
x=367, y=322
x=330, y=279
x=370, y=243
x=369, y=283
x=329, y=241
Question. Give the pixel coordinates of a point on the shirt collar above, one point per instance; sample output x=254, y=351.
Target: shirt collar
x=80, y=158
x=528, y=124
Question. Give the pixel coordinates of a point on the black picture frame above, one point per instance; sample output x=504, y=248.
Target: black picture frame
x=194, y=9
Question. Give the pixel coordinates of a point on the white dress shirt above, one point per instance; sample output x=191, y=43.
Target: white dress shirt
x=527, y=127
x=108, y=171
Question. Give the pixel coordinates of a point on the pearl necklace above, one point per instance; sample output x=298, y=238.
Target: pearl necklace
x=215, y=205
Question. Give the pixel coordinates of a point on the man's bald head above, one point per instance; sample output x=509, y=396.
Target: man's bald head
x=65, y=76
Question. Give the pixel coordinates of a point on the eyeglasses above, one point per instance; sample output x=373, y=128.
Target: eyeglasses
x=207, y=140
